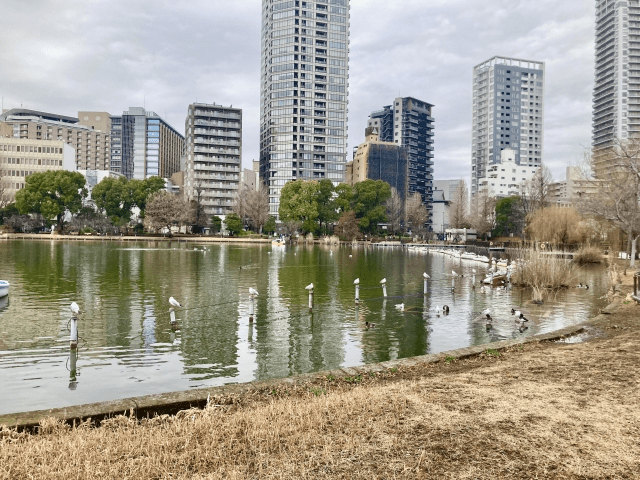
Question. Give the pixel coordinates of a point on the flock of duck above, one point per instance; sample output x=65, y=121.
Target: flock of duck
x=520, y=319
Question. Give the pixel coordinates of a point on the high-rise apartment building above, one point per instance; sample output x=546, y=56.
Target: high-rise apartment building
x=214, y=156
x=508, y=112
x=408, y=123
x=616, y=102
x=88, y=133
x=303, y=92
x=144, y=145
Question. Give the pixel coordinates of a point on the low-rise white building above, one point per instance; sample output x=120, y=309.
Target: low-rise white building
x=506, y=178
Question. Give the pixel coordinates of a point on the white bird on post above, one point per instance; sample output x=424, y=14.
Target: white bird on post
x=426, y=285
x=253, y=291
x=309, y=287
x=174, y=302
x=383, y=282
x=75, y=309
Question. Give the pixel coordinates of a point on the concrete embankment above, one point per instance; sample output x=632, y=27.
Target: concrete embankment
x=171, y=403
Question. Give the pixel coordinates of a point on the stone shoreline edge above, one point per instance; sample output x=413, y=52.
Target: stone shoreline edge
x=173, y=402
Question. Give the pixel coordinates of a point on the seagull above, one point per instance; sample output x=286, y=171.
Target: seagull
x=455, y=274
x=473, y=270
x=426, y=276
x=309, y=287
x=400, y=306
x=75, y=309
x=383, y=281
x=174, y=302
x=356, y=281
x=487, y=312
x=253, y=291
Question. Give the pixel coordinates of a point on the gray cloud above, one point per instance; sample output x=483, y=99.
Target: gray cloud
x=64, y=56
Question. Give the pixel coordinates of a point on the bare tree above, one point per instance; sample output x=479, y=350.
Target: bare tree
x=4, y=191
x=535, y=192
x=616, y=189
x=347, y=227
x=252, y=206
x=417, y=214
x=557, y=225
x=165, y=210
x=395, y=210
x=483, y=213
x=459, y=208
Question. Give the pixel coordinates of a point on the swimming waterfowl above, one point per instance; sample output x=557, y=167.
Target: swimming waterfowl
x=370, y=325
x=445, y=309
x=519, y=315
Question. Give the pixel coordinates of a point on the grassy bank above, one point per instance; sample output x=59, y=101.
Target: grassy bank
x=542, y=410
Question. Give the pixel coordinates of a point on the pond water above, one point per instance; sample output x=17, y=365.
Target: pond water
x=128, y=348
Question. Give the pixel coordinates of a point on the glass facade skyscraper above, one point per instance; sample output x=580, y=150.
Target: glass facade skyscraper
x=143, y=145
x=303, y=92
x=616, y=93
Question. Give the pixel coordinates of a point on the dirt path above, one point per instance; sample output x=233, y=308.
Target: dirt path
x=545, y=410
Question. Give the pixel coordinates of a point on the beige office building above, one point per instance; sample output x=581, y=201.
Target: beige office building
x=20, y=158
x=88, y=134
x=377, y=160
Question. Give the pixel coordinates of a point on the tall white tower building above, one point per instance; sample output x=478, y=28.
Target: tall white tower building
x=303, y=92
x=616, y=94
x=508, y=112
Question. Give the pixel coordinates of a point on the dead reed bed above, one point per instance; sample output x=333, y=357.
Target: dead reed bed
x=533, y=412
x=588, y=254
x=542, y=272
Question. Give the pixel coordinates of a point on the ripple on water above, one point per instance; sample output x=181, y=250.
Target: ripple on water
x=128, y=348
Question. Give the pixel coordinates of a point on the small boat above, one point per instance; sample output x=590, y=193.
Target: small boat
x=4, y=288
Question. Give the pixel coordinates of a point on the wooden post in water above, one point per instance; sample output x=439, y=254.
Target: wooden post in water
x=251, y=307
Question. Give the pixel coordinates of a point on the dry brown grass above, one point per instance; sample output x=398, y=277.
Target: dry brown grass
x=541, y=272
x=536, y=411
x=587, y=255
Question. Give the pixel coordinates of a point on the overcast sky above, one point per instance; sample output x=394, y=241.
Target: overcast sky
x=63, y=56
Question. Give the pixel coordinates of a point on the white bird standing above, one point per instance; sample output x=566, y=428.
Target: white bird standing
x=455, y=274
x=356, y=281
x=174, y=302
x=473, y=270
x=400, y=306
x=75, y=309
x=253, y=291
x=309, y=287
x=426, y=276
x=383, y=281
